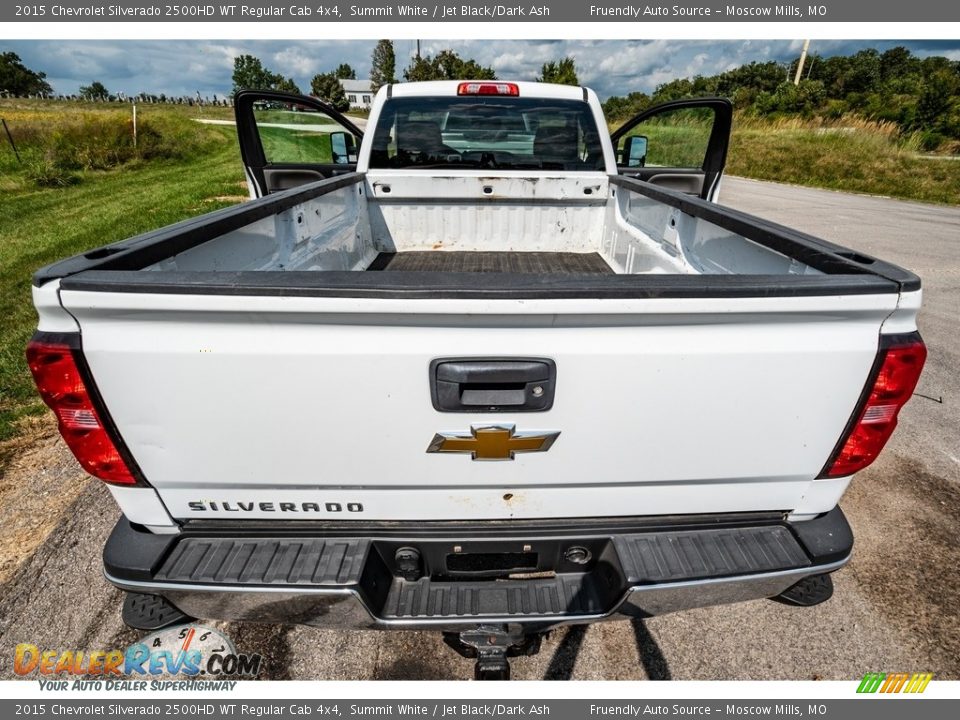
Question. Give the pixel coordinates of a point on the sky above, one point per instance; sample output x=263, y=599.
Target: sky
x=611, y=67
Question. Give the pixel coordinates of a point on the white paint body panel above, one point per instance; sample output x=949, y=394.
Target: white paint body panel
x=142, y=505
x=664, y=406
x=52, y=317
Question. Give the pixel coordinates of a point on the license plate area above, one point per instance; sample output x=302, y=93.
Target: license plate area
x=480, y=564
x=482, y=577
x=477, y=559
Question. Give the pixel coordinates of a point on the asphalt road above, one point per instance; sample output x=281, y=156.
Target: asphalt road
x=895, y=606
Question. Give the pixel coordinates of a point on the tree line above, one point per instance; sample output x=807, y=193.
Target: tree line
x=17, y=80
x=249, y=72
x=917, y=94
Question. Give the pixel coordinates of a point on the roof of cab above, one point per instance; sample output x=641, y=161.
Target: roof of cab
x=449, y=87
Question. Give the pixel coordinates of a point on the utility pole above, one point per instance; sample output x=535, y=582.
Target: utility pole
x=418, y=49
x=803, y=59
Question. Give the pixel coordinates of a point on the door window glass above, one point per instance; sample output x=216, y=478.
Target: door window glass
x=676, y=138
x=292, y=134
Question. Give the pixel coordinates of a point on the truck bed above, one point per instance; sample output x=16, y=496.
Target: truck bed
x=256, y=370
x=640, y=241
x=557, y=263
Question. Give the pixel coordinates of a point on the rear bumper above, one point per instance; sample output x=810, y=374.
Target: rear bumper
x=351, y=582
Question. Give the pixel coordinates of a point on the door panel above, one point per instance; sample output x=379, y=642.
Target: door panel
x=680, y=145
x=290, y=140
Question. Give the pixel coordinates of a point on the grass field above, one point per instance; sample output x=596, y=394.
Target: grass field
x=81, y=184
x=850, y=154
x=295, y=137
x=294, y=146
x=39, y=225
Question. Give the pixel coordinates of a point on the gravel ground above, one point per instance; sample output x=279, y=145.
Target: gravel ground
x=894, y=608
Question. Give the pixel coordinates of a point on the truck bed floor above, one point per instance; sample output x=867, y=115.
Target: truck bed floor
x=565, y=263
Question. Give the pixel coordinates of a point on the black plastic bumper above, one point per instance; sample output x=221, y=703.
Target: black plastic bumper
x=576, y=572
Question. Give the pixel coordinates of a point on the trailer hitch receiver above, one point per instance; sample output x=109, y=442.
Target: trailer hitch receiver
x=492, y=646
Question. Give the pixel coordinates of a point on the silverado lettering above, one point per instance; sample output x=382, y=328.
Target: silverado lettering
x=239, y=506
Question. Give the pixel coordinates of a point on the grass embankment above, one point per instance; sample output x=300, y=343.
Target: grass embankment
x=850, y=154
x=196, y=171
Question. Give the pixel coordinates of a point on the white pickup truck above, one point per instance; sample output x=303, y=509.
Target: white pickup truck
x=483, y=368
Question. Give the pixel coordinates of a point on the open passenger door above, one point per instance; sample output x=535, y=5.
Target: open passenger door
x=288, y=140
x=681, y=145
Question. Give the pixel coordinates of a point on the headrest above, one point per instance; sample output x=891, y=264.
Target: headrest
x=421, y=136
x=556, y=143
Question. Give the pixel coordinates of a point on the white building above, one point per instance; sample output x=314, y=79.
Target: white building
x=359, y=93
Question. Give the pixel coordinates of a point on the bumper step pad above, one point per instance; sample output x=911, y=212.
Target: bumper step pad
x=555, y=588
x=697, y=554
x=561, y=595
x=265, y=561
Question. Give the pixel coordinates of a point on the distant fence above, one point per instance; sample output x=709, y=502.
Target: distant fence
x=143, y=99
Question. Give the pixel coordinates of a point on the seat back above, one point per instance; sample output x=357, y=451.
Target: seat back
x=419, y=136
x=556, y=144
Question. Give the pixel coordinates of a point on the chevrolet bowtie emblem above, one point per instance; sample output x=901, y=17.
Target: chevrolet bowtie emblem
x=492, y=442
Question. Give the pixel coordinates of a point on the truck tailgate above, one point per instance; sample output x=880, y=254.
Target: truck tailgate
x=317, y=407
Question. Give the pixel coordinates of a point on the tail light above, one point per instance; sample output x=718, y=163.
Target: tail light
x=894, y=377
x=63, y=388
x=488, y=88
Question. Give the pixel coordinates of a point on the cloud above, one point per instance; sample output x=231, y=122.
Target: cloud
x=611, y=67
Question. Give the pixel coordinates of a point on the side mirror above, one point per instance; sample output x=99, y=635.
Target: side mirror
x=634, y=151
x=343, y=149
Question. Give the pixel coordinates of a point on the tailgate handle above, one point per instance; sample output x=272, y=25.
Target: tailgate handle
x=492, y=385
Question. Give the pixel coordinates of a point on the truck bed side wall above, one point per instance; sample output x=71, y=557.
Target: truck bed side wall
x=328, y=232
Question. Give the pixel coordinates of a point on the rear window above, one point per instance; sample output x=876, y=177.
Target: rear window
x=486, y=132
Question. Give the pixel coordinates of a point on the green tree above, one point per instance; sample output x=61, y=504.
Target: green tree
x=832, y=72
x=420, y=69
x=803, y=99
x=621, y=108
x=673, y=90
x=563, y=72
x=287, y=85
x=935, y=63
x=94, y=91
x=754, y=77
x=864, y=72
x=17, y=79
x=383, y=66
x=918, y=94
x=345, y=72
x=446, y=65
x=935, y=100
x=250, y=74
x=898, y=63
x=327, y=87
